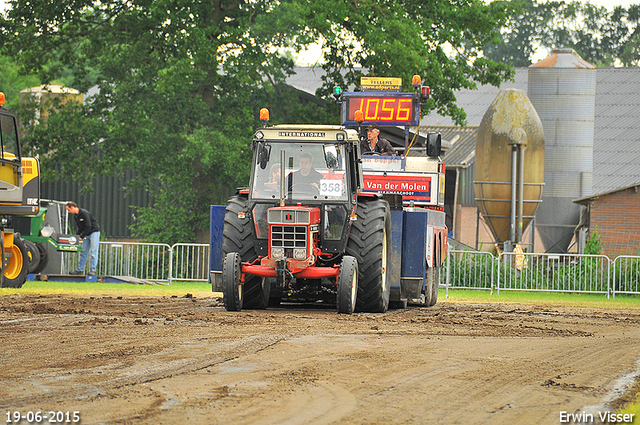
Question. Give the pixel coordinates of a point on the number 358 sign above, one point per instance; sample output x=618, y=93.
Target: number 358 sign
x=330, y=187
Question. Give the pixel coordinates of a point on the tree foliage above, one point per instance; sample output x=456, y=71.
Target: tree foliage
x=600, y=36
x=178, y=84
x=12, y=81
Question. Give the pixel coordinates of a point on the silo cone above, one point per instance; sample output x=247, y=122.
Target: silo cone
x=510, y=121
x=562, y=88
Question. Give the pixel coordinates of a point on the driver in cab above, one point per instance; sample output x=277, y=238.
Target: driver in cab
x=306, y=176
x=374, y=144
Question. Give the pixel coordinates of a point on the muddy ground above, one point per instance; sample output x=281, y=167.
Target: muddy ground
x=152, y=360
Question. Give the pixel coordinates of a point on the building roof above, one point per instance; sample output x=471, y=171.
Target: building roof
x=616, y=156
x=587, y=199
x=462, y=142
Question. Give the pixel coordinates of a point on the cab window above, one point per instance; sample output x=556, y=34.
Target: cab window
x=9, y=138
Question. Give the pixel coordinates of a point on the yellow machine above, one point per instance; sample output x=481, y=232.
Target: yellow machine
x=19, y=195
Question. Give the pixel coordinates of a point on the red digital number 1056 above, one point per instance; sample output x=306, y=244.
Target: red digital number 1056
x=382, y=109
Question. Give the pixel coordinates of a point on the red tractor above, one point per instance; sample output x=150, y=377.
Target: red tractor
x=304, y=229
x=313, y=226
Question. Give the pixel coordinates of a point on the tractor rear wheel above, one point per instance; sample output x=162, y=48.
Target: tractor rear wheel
x=428, y=287
x=370, y=244
x=436, y=286
x=237, y=236
x=347, y=285
x=15, y=274
x=256, y=292
x=231, y=288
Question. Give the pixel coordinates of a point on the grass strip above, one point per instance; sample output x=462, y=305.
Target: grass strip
x=179, y=288
x=542, y=298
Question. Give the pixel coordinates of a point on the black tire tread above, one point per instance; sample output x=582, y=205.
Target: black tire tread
x=230, y=282
x=238, y=237
x=22, y=276
x=44, y=258
x=348, y=267
x=365, y=244
x=33, y=255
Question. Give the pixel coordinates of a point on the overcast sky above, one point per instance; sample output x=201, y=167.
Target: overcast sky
x=609, y=4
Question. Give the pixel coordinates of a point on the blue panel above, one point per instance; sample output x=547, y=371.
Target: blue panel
x=395, y=257
x=414, y=259
x=215, y=245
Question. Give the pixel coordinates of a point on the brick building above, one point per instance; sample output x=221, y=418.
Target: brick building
x=616, y=217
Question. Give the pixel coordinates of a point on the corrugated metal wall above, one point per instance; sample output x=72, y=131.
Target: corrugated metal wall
x=112, y=207
x=466, y=191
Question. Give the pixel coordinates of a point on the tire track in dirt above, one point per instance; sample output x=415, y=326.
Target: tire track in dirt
x=155, y=360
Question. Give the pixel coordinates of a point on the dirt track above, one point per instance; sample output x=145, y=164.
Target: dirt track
x=185, y=360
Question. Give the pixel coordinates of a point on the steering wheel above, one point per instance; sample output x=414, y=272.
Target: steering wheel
x=371, y=153
x=305, y=188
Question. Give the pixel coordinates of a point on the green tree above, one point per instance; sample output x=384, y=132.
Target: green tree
x=600, y=36
x=12, y=81
x=180, y=83
x=526, y=30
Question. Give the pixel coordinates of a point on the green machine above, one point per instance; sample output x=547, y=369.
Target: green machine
x=39, y=231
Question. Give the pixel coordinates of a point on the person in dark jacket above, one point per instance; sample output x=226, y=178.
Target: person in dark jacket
x=89, y=232
x=373, y=143
x=307, y=179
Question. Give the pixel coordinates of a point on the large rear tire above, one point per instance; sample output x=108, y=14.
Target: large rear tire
x=15, y=274
x=237, y=236
x=370, y=244
x=231, y=289
x=256, y=292
x=347, y=285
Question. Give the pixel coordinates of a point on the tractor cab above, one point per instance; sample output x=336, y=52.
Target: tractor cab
x=311, y=168
x=11, y=166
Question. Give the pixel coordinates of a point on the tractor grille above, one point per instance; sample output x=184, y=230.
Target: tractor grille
x=289, y=237
x=289, y=216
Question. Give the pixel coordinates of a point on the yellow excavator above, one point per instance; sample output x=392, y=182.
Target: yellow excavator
x=19, y=196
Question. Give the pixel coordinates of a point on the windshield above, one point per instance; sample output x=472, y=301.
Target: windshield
x=311, y=172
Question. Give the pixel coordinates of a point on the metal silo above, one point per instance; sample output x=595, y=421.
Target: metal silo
x=562, y=88
x=509, y=165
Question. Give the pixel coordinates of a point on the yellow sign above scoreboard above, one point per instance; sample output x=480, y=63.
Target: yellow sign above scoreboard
x=381, y=83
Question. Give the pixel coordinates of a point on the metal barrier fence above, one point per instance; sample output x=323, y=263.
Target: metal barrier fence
x=626, y=275
x=147, y=261
x=543, y=272
x=189, y=262
x=463, y=269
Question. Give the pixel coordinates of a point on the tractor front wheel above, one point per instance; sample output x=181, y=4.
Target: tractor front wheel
x=347, y=285
x=15, y=274
x=33, y=254
x=231, y=287
x=44, y=257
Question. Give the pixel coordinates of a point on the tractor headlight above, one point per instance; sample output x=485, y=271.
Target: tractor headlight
x=300, y=253
x=47, y=231
x=277, y=253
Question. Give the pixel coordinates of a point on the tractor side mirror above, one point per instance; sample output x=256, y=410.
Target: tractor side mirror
x=264, y=152
x=434, y=145
x=331, y=157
